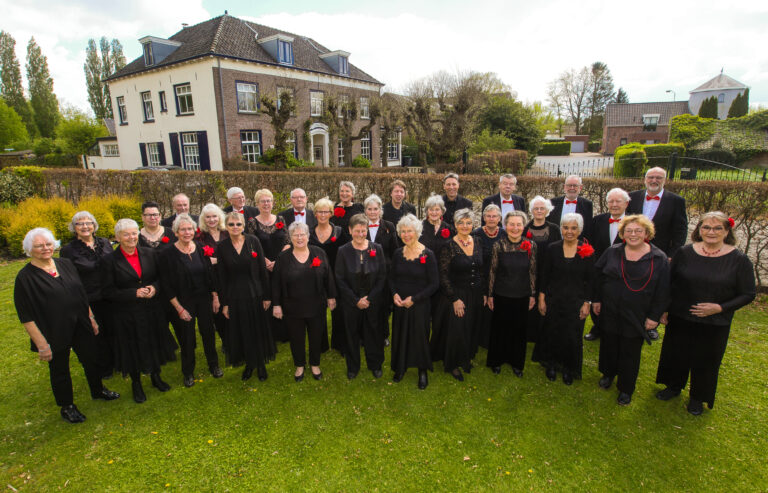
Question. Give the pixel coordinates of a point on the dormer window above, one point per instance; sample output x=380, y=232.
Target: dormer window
x=338, y=60
x=285, y=52
x=343, y=65
x=157, y=49
x=149, y=59
x=279, y=46
x=650, y=122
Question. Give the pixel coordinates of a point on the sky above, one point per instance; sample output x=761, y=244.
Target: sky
x=650, y=47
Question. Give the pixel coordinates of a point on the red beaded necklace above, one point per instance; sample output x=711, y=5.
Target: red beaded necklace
x=624, y=276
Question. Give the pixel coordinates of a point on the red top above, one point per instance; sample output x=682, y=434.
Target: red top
x=133, y=259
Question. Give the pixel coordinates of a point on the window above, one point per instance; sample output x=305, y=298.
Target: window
x=344, y=105
x=393, y=149
x=315, y=103
x=163, y=104
x=285, y=52
x=153, y=153
x=110, y=150
x=122, y=111
x=341, y=152
x=291, y=141
x=623, y=141
x=247, y=97
x=343, y=65
x=365, y=145
x=184, y=104
x=650, y=122
x=365, y=112
x=721, y=98
x=250, y=141
x=146, y=101
x=285, y=90
x=149, y=58
x=191, y=151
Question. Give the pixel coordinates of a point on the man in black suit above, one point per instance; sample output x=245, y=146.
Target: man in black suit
x=572, y=202
x=299, y=212
x=236, y=198
x=180, y=206
x=506, y=200
x=452, y=200
x=604, y=233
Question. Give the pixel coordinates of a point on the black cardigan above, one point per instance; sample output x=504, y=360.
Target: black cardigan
x=175, y=277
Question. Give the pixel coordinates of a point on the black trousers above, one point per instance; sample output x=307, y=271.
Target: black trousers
x=300, y=329
x=595, y=322
x=339, y=332
x=620, y=356
x=105, y=340
x=363, y=326
x=508, y=338
x=85, y=348
x=696, y=349
x=201, y=310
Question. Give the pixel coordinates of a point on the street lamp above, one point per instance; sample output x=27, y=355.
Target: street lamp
x=673, y=93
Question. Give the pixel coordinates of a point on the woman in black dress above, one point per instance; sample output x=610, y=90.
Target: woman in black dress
x=454, y=339
x=153, y=234
x=302, y=288
x=186, y=280
x=435, y=233
x=565, y=291
x=272, y=232
x=413, y=279
x=130, y=279
x=511, y=290
x=346, y=208
x=85, y=251
x=210, y=231
x=488, y=235
x=361, y=280
x=711, y=279
x=631, y=294
x=397, y=207
x=245, y=296
x=52, y=304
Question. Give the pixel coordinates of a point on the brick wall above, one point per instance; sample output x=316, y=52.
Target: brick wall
x=612, y=136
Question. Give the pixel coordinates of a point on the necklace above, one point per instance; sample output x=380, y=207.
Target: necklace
x=710, y=254
x=463, y=243
x=626, y=283
x=189, y=249
x=489, y=234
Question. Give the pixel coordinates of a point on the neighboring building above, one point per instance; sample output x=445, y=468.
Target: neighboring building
x=578, y=142
x=724, y=88
x=193, y=100
x=646, y=123
x=104, y=154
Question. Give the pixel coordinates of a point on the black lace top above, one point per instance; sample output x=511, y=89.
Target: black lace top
x=460, y=272
x=513, y=270
x=272, y=237
x=168, y=238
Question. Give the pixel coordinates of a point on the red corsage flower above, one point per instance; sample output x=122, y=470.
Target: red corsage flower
x=731, y=222
x=333, y=239
x=526, y=247
x=165, y=239
x=423, y=259
x=254, y=254
x=279, y=225
x=585, y=250
x=316, y=262
x=208, y=251
x=339, y=212
x=372, y=253
x=197, y=231
x=445, y=232
x=528, y=235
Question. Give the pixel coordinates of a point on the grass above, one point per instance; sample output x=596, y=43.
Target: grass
x=488, y=433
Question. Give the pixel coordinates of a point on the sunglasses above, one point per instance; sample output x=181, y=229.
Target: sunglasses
x=232, y=225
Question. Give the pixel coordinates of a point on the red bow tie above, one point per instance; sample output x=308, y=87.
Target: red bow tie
x=373, y=225
x=240, y=211
x=611, y=220
x=569, y=201
x=298, y=213
x=507, y=201
x=655, y=197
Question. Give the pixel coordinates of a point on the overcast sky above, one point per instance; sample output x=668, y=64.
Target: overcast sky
x=650, y=47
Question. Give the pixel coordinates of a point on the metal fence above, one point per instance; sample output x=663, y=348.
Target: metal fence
x=586, y=168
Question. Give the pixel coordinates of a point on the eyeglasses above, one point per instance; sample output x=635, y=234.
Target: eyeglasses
x=654, y=178
x=151, y=215
x=298, y=235
x=42, y=245
x=634, y=231
x=317, y=213
x=232, y=225
x=716, y=229
x=83, y=223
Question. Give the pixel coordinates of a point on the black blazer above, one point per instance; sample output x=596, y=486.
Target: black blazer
x=600, y=234
x=356, y=278
x=451, y=207
x=168, y=221
x=119, y=281
x=583, y=207
x=670, y=221
x=386, y=236
x=518, y=202
x=288, y=217
x=248, y=211
x=175, y=278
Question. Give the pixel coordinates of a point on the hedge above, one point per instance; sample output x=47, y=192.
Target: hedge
x=594, y=146
x=509, y=161
x=555, y=149
x=629, y=160
x=658, y=154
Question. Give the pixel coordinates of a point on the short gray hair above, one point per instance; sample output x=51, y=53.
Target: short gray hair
x=573, y=217
x=657, y=168
x=516, y=214
x=178, y=195
x=574, y=176
x=182, y=218
x=491, y=208
x=234, y=191
x=349, y=185
x=410, y=221
x=297, y=190
x=539, y=198
x=207, y=209
x=434, y=200
x=29, y=239
x=125, y=223
x=372, y=198
x=508, y=176
x=297, y=225
x=463, y=214
x=451, y=175
x=620, y=191
x=82, y=214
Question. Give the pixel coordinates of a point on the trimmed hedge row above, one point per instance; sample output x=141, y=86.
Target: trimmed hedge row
x=555, y=149
x=631, y=159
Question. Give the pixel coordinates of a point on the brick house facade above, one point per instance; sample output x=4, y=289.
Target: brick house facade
x=646, y=123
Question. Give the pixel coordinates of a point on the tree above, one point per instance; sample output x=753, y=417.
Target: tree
x=574, y=90
x=100, y=63
x=44, y=103
x=555, y=100
x=621, y=96
x=508, y=116
x=279, y=115
x=545, y=119
x=740, y=105
x=78, y=132
x=708, y=108
x=11, y=87
x=601, y=93
x=12, y=129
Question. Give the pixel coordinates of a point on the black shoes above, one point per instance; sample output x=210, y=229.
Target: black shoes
x=298, y=378
x=518, y=372
x=591, y=336
x=106, y=395
x=262, y=373
x=138, y=392
x=624, y=399
x=397, y=377
x=496, y=370
x=567, y=378
x=158, y=383
x=605, y=382
x=216, y=372
x=72, y=414
x=317, y=376
x=423, y=382
x=653, y=334
x=247, y=373
x=694, y=407
x=457, y=375
x=377, y=373
x=551, y=374
x=667, y=394
x=189, y=380
x=351, y=375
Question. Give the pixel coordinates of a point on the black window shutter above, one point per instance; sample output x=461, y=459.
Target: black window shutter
x=143, y=151
x=161, y=153
x=175, y=151
x=176, y=98
x=202, y=147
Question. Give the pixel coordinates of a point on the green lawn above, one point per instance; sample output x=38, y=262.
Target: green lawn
x=488, y=433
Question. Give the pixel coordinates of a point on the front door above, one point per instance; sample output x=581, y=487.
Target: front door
x=318, y=152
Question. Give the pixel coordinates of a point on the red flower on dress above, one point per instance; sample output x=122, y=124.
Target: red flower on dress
x=254, y=254
x=731, y=222
x=208, y=251
x=279, y=225
x=526, y=247
x=585, y=250
x=445, y=232
x=528, y=235
x=333, y=239
x=372, y=253
x=316, y=262
x=197, y=231
x=423, y=259
x=165, y=239
x=339, y=212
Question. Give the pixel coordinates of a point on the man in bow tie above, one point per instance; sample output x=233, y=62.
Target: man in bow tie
x=506, y=199
x=298, y=211
x=572, y=201
x=236, y=198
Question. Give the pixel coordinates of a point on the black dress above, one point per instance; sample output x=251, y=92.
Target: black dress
x=696, y=345
x=566, y=284
x=342, y=214
x=168, y=239
x=331, y=246
x=543, y=235
x=273, y=239
x=435, y=239
x=204, y=240
x=419, y=279
x=243, y=286
x=486, y=244
x=454, y=339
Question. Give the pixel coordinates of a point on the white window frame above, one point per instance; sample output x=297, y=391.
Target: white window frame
x=190, y=151
x=316, y=100
x=365, y=145
x=343, y=100
x=280, y=91
x=721, y=97
x=146, y=103
x=163, y=102
x=247, y=97
x=183, y=92
x=122, y=110
x=250, y=145
x=343, y=65
x=153, y=154
x=340, y=147
x=284, y=52
x=365, y=111
x=149, y=58
x=393, y=147
x=291, y=141
x=110, y=150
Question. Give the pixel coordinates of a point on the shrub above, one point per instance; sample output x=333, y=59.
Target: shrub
x=690, y=129
x=658, y=154
x=45, y=145
x=555, y=148
x=488, y=141
x=509, y=161
x=33, y=174
x=121, y=207
x=361, y=162
x=99, y=207
x=14, y=188
x=629, y=161
x=53, y=213
x=715, y=154
x=708, y=108
x=594, y=146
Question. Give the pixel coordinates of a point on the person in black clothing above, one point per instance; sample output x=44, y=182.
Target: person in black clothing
x=452, y=201
x=153, y=235
x=397, y=207
x=435, y=230
x=511, y=294
x=245, y=296
x=565, y=291
x=236, y=198
x=379, y=230
x=298, y=211
x=489, y=234
x=572, y=201
x=180, y=206
x=711, y=279
x=506, y=200
x=361, y=279
x=130, y=281
x=210, y=231
x=52, y=304
x=454, y=336
x=302, y=288
x=187, y=282
x=413, y=279
x=631, y=294
x=346, y=208
x=85, y=251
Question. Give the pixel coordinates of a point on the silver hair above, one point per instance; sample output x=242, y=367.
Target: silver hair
x=372, y=198
x=516, y=214
x=463, y=214
x=573, y=217
x=297, y=190
x=123, y=224
x=234, y=191
x=349, y=185
x=410, y=221
x=656, y=168
x=574, y=176
x=434, y=200
x=182, y=218
x=508, y=176
x=491, y=208
x=173, y=200
x=80, y=214
x=539, y=198
x=297, y=225
x=620, y=191
x=29, y=239
x=451, y=175
x=207, y=209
